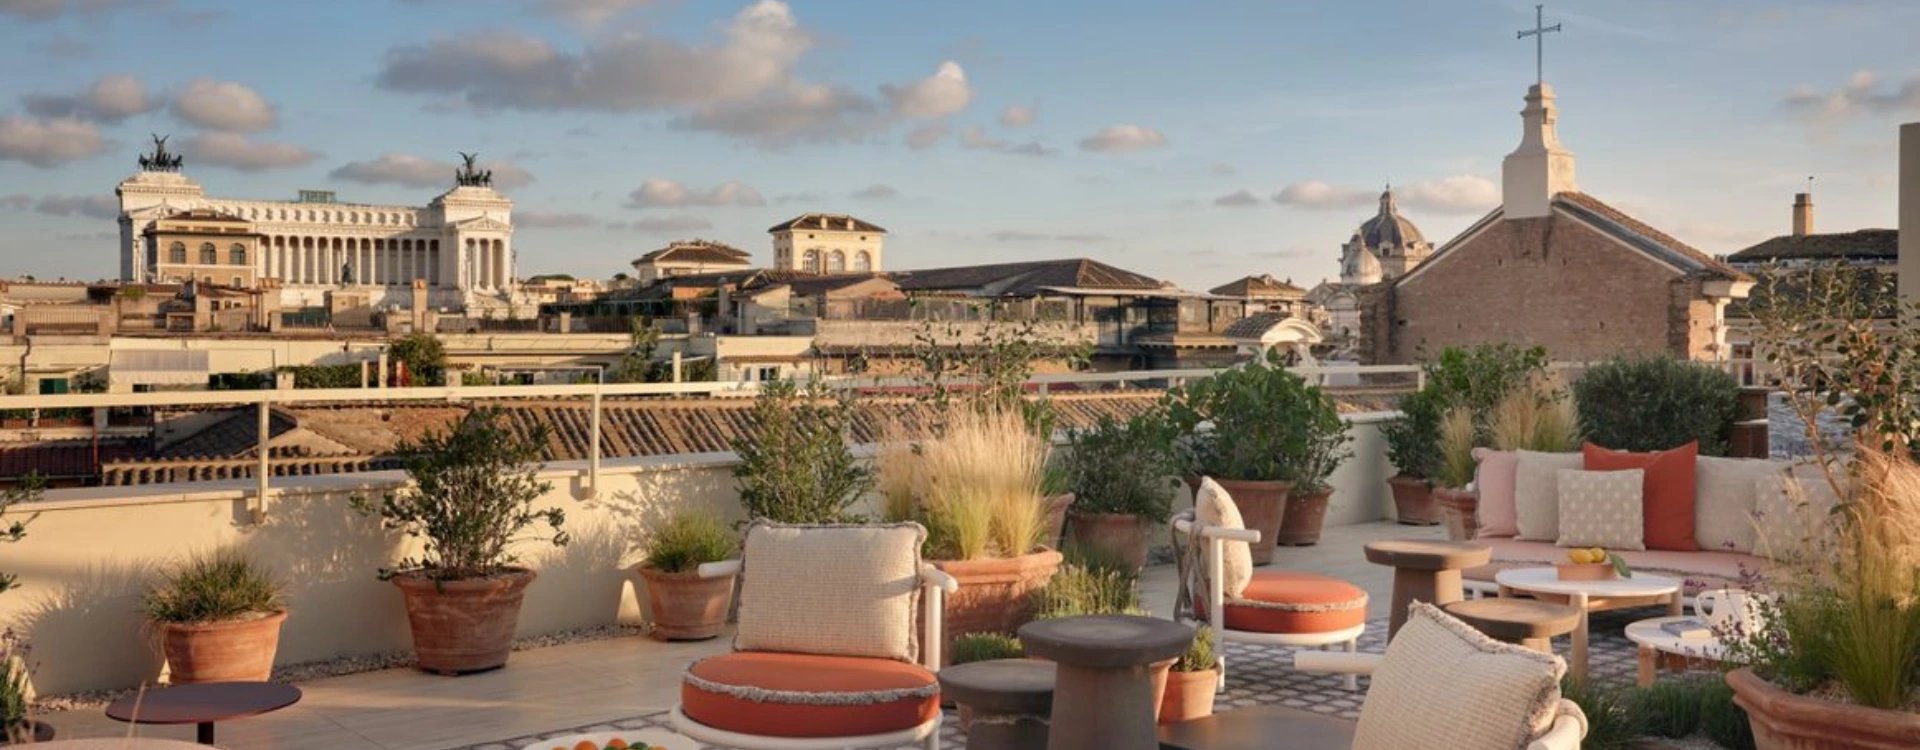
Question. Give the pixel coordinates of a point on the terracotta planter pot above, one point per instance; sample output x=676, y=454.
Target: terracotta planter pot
x=1158, y=672
x=1461, y=509
x=1302, y=518
x=1413, y=502
x=32, y=733
x=1189, y=695
x=1122, y=536
x=1262, y=504
x=232, y=651
x=1784, y=721
x=685, y=607
x=994, y=595
x=464, y=626
x=1057, y=506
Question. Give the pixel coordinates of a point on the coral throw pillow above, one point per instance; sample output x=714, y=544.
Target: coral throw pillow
x=1669, y=491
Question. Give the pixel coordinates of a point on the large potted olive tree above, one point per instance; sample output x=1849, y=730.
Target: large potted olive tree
x=1322, y=444
x=1120, y=474
x=1247, y=427
x=796, y=457
x=217, y=616
x=1413, y=447
x=470, y=503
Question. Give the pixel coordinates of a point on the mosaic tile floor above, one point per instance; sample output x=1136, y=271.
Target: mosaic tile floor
x=1256, y=676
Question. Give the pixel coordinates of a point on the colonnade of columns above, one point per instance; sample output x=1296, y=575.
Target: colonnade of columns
x=297, y=259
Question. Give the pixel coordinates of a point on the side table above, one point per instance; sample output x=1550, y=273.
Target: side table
x=1654, y=642
x=1642, y=590
x=1010, y=700
x=1425, y=570
x=1103, y=697
x=203, y=704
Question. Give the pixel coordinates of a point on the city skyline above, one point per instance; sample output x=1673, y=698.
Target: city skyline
x=976, y=134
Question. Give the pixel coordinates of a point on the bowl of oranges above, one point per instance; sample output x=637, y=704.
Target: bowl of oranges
x=639, y=739
x=1592, y=564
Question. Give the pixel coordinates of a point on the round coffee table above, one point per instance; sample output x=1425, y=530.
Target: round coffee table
x=1103, y=697
x=204, y=704
x=1655, y=641
x=652, y=739
x=117, y=743
x=1009, y=699
x=1642, y=590
x=1426, y=570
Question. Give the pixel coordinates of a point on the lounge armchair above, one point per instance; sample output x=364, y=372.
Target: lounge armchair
x=825, y=653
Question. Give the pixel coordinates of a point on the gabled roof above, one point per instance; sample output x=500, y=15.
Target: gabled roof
x=1258, y=287
x=827, y=222
x=234, y=435
x=1863, y=244
x=1614, y=223
x=1027, y=279
x=807, y=285
x=697, y=251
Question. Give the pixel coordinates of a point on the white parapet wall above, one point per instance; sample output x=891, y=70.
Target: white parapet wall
x=89, y=553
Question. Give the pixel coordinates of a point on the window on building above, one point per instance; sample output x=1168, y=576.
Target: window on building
x=767, y=374
x=837, y=262
x=237, y=255
x=238, y=282
x=177, y=252
x=54, y=386
x=862, y=262
x=208, y=255
x=811, y=261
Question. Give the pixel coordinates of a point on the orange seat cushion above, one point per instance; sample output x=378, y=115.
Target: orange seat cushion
x=1294, y=602
x=1666, y=494
x=770, y=694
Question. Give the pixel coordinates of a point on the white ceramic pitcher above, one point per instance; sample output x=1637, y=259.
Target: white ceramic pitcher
x=1732, y=610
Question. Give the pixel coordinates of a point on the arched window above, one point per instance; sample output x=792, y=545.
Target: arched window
x=177, y=252
x=208, y=255
x=862, y=262
x=810, y=261
x=237, y=255
x=837, y=262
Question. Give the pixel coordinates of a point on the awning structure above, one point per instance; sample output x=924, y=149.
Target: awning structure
x=157, y=367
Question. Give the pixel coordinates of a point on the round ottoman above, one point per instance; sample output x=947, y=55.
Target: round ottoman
x=771, y=694
x=1010, y=700
x=1527, y=622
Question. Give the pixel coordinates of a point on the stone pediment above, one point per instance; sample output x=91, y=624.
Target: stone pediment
x=483, y=224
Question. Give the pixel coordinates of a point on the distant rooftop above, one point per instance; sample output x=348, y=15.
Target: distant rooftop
x=827, y=222
x=1027, y=279
x=1879, y=245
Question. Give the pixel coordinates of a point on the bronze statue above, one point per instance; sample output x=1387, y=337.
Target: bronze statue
x=471, y=174
x=160, y=160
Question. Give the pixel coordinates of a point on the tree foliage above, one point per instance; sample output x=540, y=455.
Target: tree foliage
x=425, y=358
x=796, y=458
x=1653, y=403
x=1266, y=424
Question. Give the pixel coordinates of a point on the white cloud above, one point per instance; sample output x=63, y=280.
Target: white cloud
x=111, y=98
x=876, y=192
x=1862, y=95
x=418, y=171
x=975, y=137
x=944, y=93
x=553, y=219
x=1015, y=235
x=1317, y=194
x=245, y=154
x=223, y=105
x=1458, y=194
x=799, y=112
x=91, y=206
x=48, y=142
x=589, y=13
x=663, y=224
x=661, y=193
x=47, y=10
x=925, y=136
x=1017, y=116
x=1116, y=139
x=1238, y=199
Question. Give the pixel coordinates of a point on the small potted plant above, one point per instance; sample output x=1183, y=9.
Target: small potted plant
x=17, y=727
x=1120, y=474
x=1413, y=445
x=1322, y=445
x=1454, y=472
x=470, y=502
x=217, y=616
x=1193, y=681
x=685, y=605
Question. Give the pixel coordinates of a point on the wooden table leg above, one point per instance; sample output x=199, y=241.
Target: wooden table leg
x=1677, y=605
x=1644, y=676
x=1579, y=666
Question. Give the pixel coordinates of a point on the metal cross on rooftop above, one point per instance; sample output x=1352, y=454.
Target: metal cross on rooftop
x=1539, y=34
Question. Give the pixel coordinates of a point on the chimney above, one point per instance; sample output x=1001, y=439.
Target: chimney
x=1802, y=214
x=1909, y=264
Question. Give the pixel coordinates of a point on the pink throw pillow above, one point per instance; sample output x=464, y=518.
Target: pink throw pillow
x=1495, y=481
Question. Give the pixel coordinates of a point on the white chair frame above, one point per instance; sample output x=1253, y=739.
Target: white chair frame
x=1214, y=538
x=1565, y=733
x=934, y=586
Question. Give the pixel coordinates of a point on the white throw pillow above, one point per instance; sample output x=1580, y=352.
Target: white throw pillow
x=1724, y=499
x=1603, y=509
x=838, y=590
x=1792, y=512
x=1536, y=493
x=1443, y=684
x=1214, y=507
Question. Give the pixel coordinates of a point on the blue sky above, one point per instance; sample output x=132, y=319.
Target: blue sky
x=1196, y=142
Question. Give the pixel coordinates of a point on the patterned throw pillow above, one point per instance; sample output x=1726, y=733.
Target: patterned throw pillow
x=837, y=590
x=1602, y=509
x=1214, y=507
x=1443, y=684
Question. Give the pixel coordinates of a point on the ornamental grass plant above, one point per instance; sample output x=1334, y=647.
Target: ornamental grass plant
x=1456, y=465
x=223, y=585
x=684, y=541
x=980, y=485
x=1536, y=415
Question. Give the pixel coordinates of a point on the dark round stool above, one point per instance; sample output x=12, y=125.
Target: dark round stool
x=1528, y=622
x=1103, y=694
x=1008, y=698
x=1425, y=570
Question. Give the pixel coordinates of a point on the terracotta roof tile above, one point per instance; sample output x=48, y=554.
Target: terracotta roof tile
x=1864, y=244
x=1025, y=279
x=1676, y=252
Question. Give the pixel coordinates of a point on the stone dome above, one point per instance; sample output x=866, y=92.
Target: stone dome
x=1360, y=266
x=1388, y=233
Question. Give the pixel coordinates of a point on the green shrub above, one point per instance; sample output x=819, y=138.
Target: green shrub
x=1122, y=467
x=30, y=488
x=1201, y=655
x=324, y=376
x=1656, y=403
x=1671, y=708
x=973, y=647
x=218, y=586
x=1612, y=722
x=424, y=356
x=1723, y=721
x=1076, y=591
x=796, y=461
x=1413, y=438
x=685, y=540
x=1266, y=424
x=1479, y=377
